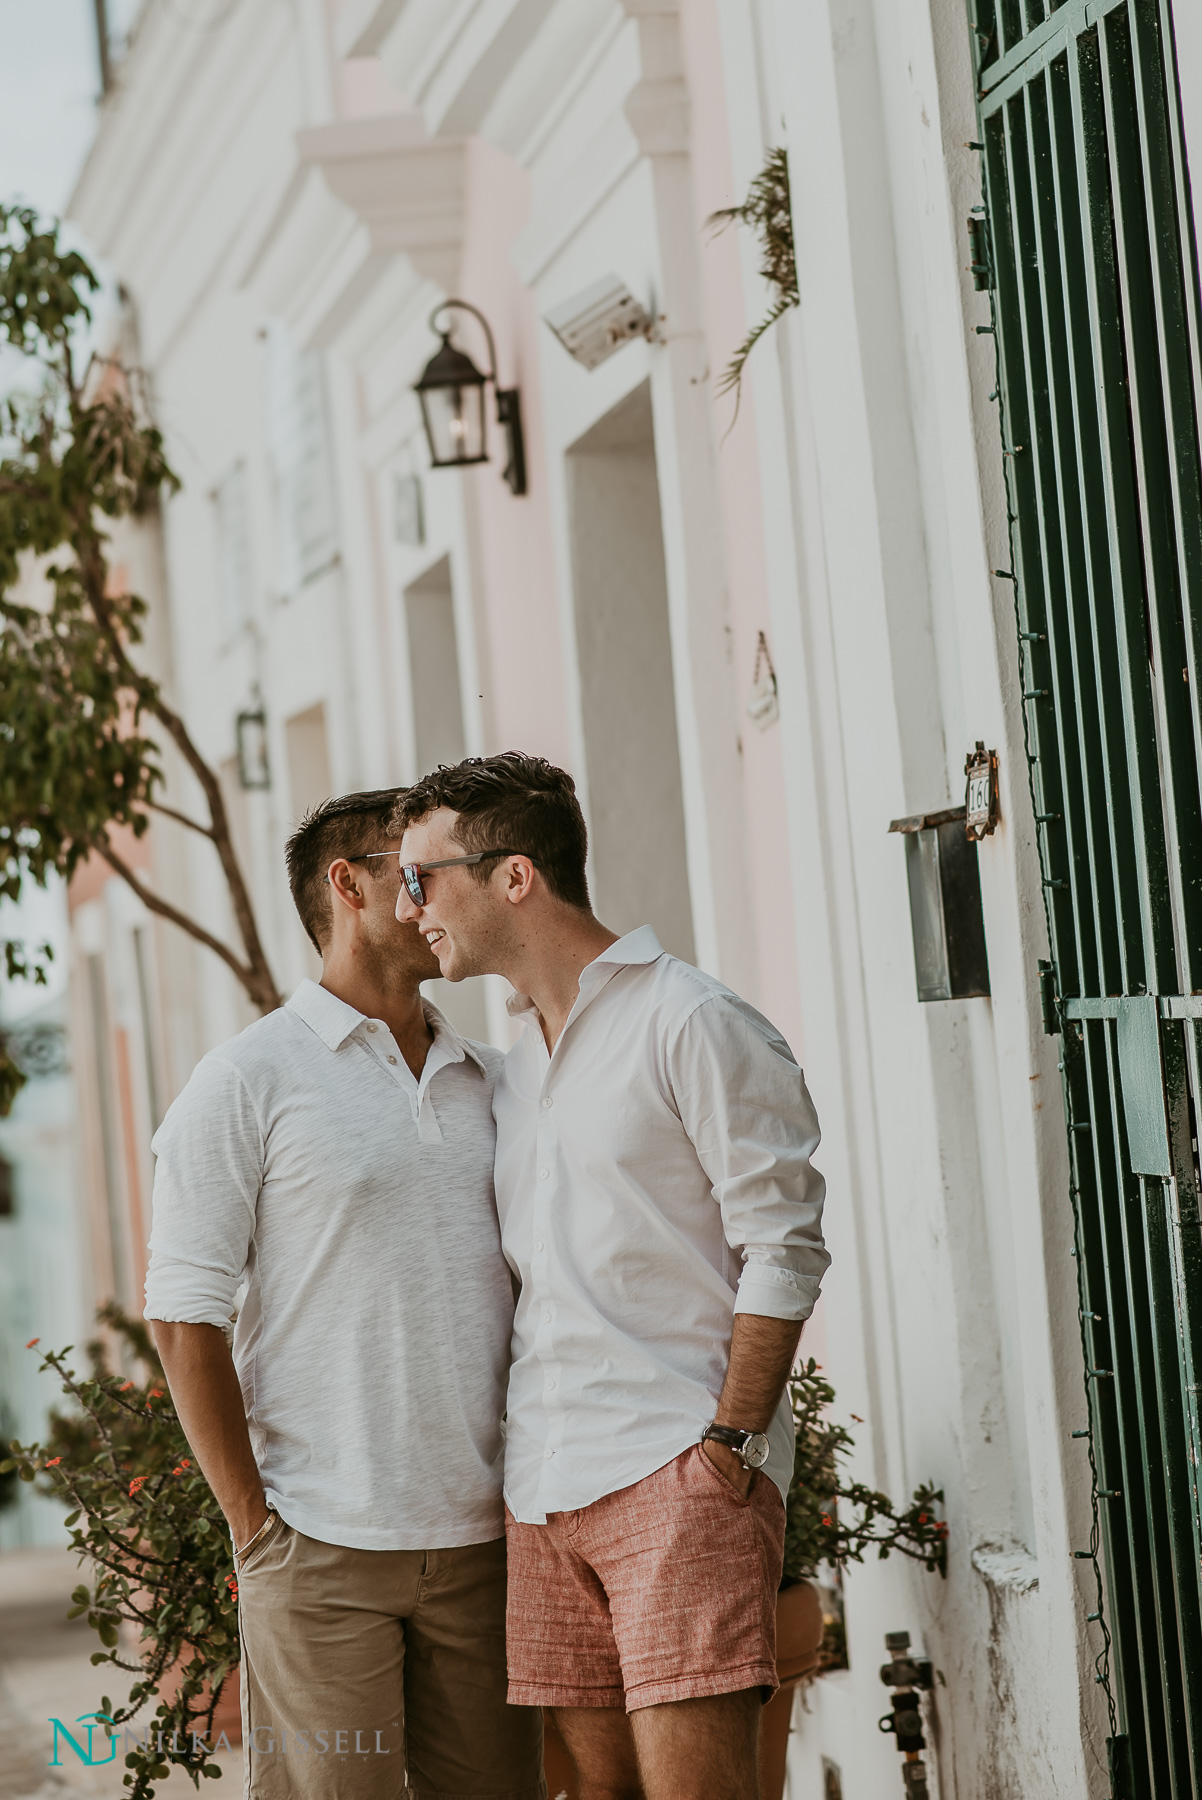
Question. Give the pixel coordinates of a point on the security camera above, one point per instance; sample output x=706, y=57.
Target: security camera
x=598, y=321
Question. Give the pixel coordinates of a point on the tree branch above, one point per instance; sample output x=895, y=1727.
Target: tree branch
x=180, y=818
x=255, y=975
x=165, y=910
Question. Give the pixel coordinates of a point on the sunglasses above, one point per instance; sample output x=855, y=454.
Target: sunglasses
x=411, y=873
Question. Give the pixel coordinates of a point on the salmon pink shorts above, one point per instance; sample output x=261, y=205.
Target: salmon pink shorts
x=663, y=1591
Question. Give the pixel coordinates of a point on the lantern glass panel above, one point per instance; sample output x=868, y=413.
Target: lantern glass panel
x=454, y=419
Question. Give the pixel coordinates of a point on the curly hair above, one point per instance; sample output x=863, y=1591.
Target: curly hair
x=522, y=802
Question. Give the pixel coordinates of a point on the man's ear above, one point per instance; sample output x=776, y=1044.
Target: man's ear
x=344, y=884
x=519, y=879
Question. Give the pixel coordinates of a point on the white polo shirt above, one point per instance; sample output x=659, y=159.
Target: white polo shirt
x=357, y=1203
x=653, y=1179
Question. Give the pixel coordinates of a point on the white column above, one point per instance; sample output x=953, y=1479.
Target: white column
x=707, y=722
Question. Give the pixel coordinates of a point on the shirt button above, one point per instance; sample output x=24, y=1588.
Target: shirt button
x=546, y=1318
x=550, y=1384
x=371, y=1028
x=392, y=1059
x=538, y=1244
x=547, y=1100
x=544, y=1174
x=547, y=1455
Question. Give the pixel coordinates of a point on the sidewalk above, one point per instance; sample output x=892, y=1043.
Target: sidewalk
x=45, y=1674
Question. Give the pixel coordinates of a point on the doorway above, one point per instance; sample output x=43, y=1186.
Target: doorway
x=627, y=695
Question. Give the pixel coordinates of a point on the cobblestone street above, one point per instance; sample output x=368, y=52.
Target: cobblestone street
x=45, y=1674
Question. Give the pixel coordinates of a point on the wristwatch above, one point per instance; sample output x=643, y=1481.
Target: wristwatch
x=751, y=1447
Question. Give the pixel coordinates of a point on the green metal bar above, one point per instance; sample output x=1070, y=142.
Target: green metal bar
x=1184, y=1332
x=1023, y=503
x=1172, y=1006
x=1100, y=358
x=1045, y=531
x=1007, y=75
x=1142, y=919
x=1157, y=638
x=1123, y=1440
x=1166, y=414
x=1073, y=383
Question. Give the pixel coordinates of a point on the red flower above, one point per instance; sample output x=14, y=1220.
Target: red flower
x=156, y=1393
x=922, y=1518
x=54, y=1462
x=136, y=1484
x=32, y=1342
x=233, y=1586
x=826, y=1518
x=125, y=1387
x=179, y=1469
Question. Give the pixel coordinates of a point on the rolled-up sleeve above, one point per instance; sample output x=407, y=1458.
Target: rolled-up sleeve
x=206, y=1188
x=744, y=1103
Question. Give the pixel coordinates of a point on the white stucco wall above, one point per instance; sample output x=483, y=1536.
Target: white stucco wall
x=320, y=178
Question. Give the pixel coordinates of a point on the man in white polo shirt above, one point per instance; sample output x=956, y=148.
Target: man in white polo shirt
x=660, y=1208
x=337, y=1157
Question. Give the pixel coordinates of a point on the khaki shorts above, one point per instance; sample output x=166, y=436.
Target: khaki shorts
x=373, y=1673
x=663, y=1591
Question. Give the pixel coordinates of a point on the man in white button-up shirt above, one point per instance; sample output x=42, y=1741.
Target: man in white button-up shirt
x=660, y=1208
x=337, y=1159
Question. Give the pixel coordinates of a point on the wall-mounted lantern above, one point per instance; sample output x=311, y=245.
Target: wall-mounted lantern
x=254, y=770
x=451, y=391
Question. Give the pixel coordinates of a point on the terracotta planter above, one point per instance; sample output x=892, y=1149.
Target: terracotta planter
x=798, y=1643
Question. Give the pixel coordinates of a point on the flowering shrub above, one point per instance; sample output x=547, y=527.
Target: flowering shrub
x=145, y=1520
x=831, y=1520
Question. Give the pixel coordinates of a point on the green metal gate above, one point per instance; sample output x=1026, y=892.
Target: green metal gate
x=1092, y=268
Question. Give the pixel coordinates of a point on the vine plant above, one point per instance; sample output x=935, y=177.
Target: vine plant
x=767, y=212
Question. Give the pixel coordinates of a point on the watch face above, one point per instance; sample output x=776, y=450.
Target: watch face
x=755, y=1450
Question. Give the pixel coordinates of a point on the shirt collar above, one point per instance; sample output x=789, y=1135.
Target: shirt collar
x=638, y=946
x=334, y=1021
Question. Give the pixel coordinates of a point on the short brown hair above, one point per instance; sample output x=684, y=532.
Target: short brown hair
x=347, y=826
x=513, y=801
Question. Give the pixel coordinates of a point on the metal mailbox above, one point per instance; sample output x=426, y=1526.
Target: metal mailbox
x=950, y=958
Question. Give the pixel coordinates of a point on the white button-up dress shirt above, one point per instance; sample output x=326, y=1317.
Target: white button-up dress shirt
x=372, y=1344
x=653, y=1179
